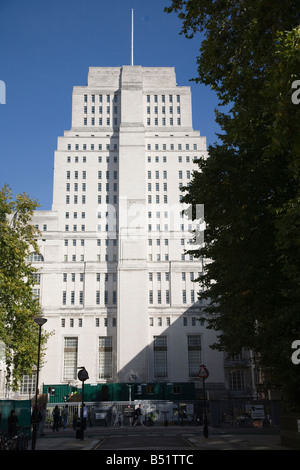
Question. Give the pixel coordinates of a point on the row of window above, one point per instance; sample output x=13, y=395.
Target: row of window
x=113, y=199
x=184, y=276
x=101, y=109
x=93, y=147
x=165, y=257
x=164, y=297
x=105, y=357
x=113, y=257
x=108, y=121
x=114, y=175
x=163, y=122
x=156, y=159
x=109, y=199
x=114, y=98
x=166, y=321
x=100, y=98
x=110, y=297
x=108, y=175
x=107, y=159
x=149, y=147
x=157, y=276
x=35, y=257
x=83, y=159
x=107, y=276
x=106, y=322
x=163, y=109
x=162, y=98
x=101, y=121
x=107, y=187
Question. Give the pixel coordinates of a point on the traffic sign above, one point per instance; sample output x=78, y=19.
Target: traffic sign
x=83, y=374
x=203, y=372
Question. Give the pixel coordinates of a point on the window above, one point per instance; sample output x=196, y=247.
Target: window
x=160, y=357
x=35, y=257
x=105, y=357
x=236, y=380
x=28, y=385
x=70, y=358
x=194, y=354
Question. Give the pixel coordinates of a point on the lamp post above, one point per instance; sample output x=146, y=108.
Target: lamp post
x=40, y=321
x=203, y=374
x=82, y=376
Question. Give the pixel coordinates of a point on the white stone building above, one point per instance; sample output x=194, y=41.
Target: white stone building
x=115, y=283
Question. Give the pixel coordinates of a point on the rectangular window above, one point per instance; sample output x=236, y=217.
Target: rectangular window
x=160, y=357
x=236, y=380
x=194, y=354
x=28, y=385
x=70, y=358
x=105, y=357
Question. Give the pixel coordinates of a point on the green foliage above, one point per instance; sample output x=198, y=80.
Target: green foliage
x=250, y=183
x=18, y=305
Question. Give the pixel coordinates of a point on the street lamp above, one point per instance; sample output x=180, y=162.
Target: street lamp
x=203, y=374
x=40, y=321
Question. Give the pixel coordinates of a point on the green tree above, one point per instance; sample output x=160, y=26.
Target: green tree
x=249, y=185
x=18, y=305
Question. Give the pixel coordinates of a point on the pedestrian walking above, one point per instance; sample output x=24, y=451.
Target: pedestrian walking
x=138, y=417
x=64, y=415
x=36, y=417
x=55, y=415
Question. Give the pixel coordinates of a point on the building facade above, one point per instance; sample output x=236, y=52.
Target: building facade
x=114, y=280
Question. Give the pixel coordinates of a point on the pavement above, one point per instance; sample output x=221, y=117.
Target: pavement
x=230, y=438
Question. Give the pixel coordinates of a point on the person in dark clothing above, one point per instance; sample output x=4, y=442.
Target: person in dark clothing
x=12, y=422
x=55, y=414
x=138, y=419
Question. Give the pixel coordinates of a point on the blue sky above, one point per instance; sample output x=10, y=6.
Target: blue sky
x=47, y=48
